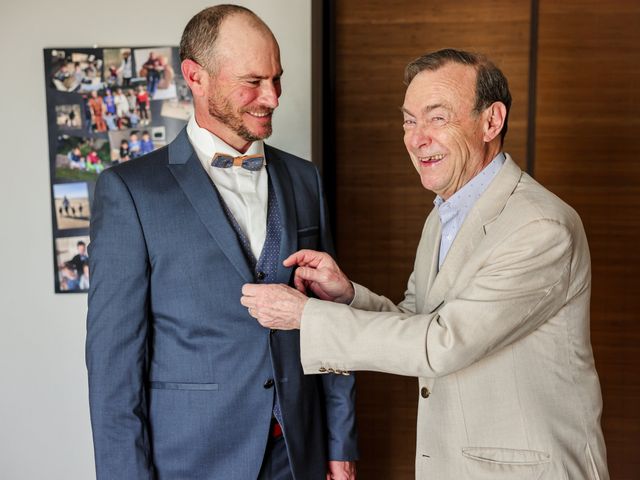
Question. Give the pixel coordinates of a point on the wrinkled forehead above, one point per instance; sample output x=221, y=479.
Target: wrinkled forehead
x=452, y=84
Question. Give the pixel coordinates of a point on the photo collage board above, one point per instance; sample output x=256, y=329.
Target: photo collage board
x=105, y=106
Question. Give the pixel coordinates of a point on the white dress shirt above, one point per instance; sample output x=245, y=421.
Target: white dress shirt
x=245, y=192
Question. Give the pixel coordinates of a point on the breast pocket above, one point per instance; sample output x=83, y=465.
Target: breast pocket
x=202, y=387
x=308, y=237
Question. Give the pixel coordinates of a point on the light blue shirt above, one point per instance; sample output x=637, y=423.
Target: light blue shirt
x=453, y=211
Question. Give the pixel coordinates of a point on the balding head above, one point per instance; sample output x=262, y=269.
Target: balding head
x=200, y=37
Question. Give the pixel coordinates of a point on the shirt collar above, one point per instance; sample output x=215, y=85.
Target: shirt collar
x=464, y=199
x=207, y=144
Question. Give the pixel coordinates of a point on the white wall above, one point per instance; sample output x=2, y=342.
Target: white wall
x=44, y=420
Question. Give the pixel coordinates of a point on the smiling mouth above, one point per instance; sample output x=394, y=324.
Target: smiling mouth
x=431, y=159
x=260, y=114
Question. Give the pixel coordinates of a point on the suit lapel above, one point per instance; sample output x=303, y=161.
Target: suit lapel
x=197, y=186
x=427, y=256
x=283, y=188
x=473, y=231
x=470, y=235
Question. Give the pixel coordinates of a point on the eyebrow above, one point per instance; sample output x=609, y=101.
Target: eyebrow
x=430, y=108
x=427, y=109
x=261, y=77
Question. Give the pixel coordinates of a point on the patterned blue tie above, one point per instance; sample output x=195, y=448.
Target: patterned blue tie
x=248, y=162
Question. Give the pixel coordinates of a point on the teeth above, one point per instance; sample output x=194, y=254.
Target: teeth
x=259, y=114
x=432, y=158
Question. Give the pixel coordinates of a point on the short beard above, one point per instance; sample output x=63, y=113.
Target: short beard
x=221, y=109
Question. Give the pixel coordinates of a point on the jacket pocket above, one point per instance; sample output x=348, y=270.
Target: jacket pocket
x=490, y=463
x=308, y=238
x=308, y=231
x=184, y=386
x=507, y=456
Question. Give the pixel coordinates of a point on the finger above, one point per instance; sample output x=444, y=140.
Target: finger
x=300, y=284
x=311, y=274
x=302, y=257
x=252, y=289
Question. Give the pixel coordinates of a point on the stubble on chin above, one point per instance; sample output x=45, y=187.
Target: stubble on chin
x=228, y=117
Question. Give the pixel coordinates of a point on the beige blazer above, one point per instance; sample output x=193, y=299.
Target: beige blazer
x=499, y=339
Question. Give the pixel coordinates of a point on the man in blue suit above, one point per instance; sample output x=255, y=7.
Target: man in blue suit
x=183, y=384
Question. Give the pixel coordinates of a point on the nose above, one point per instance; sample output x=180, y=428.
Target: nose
x=417, y=137
x=270, y=91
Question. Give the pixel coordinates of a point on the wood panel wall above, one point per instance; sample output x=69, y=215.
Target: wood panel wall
x=588, y=153
x=587, y=119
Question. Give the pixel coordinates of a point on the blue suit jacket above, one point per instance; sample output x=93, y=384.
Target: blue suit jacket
x=177, y=367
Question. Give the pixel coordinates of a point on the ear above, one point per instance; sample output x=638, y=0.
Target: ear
x=495, y=116
x=195, y=76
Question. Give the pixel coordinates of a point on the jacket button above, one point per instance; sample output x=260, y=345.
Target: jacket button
x=322, y=369
x=261, y=275
x=268, y=383
x=424, y=391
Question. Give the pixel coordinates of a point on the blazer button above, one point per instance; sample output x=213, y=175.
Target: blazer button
x=261, y=275
x=268, y=383
x=424, y=391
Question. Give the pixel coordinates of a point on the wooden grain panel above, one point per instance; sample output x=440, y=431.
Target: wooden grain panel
x=587, y=152
x=380, y=204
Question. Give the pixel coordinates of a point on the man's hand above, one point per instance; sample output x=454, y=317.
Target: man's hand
x=274, y=306
x=319, y=273
x=339, y=470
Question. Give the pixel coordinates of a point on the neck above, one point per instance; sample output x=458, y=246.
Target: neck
x=491, y=151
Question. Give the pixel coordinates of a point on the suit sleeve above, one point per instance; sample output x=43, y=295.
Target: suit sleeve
x=117, y=326
x=522, y=284
x=339, y=390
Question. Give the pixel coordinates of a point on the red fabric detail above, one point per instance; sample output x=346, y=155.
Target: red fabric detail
x=276, y=430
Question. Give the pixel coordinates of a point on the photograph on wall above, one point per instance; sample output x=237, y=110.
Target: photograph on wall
x=81, y=158
x=72, y=264
x=119, y=67
x=75, y=70
x=71, y=203
x=155, y=66
x=69, y=117
x=104, y=107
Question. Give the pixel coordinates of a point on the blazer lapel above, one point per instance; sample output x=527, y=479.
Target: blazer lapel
x=197, y=186
x=283, y=188
x=470, y=235
x=473, y=231
x=427, y=256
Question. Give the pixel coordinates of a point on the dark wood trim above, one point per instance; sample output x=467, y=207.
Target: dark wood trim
x=533, y=77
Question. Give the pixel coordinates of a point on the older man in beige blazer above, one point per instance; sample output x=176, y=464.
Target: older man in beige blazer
x=495, y=319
